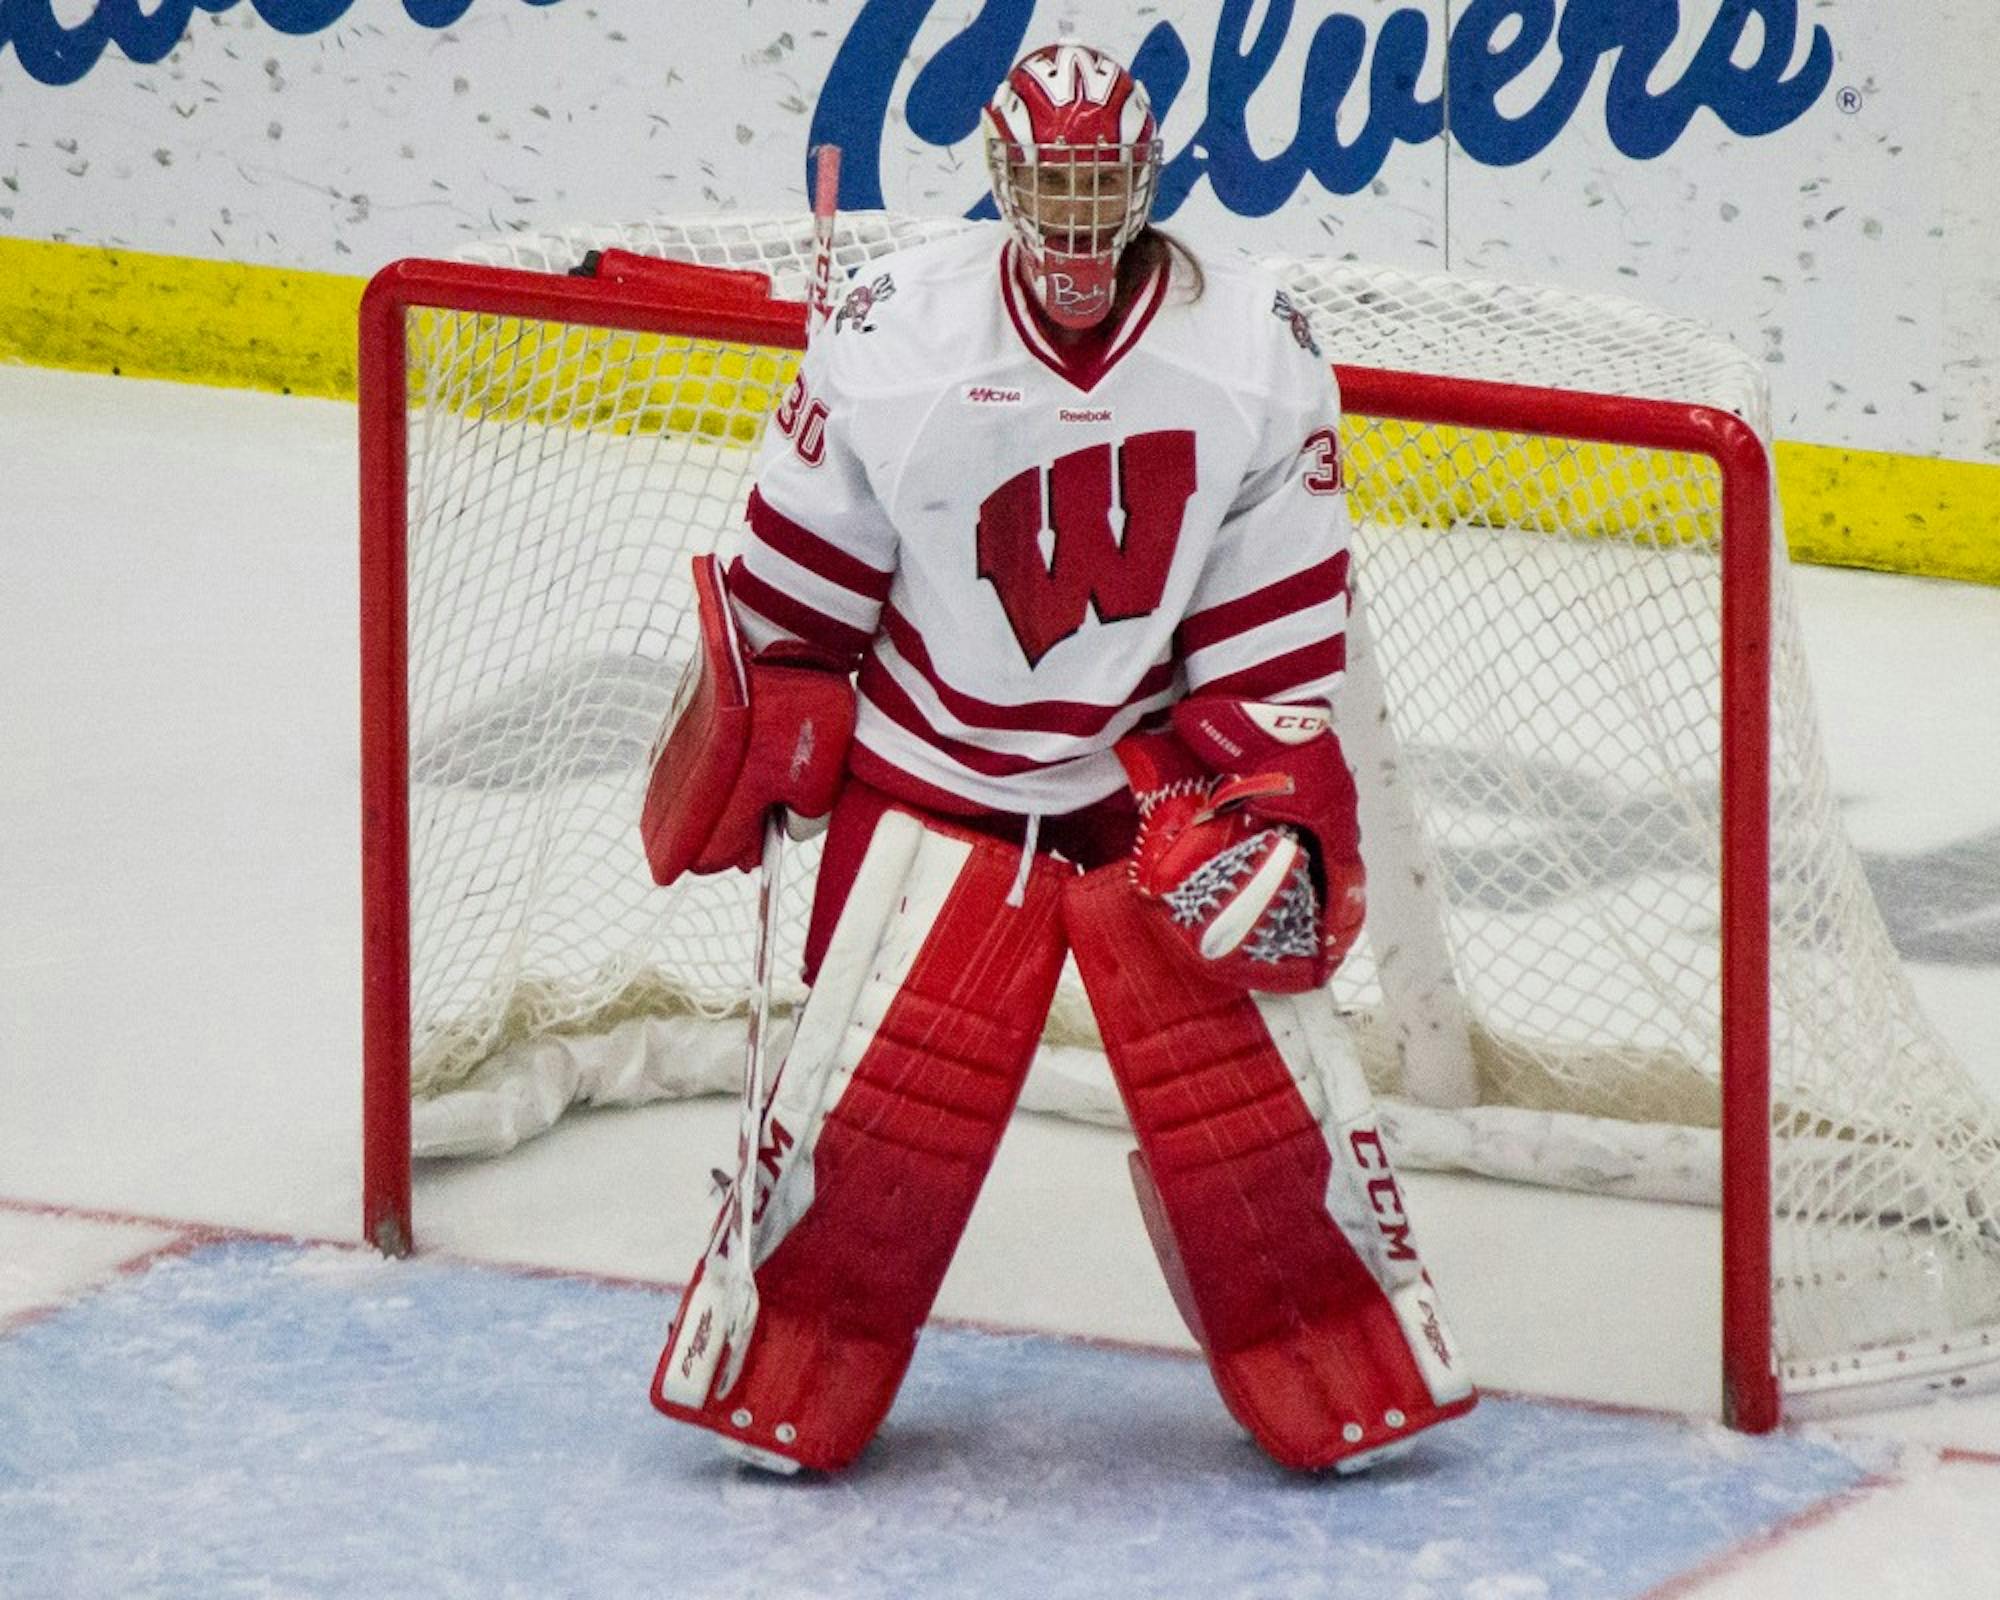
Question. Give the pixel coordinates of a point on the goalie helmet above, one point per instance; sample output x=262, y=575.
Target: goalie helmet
x=1074, y=156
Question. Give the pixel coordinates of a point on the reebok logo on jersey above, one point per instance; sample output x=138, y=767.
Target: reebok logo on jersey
x=986, y=394
x=1083, y=414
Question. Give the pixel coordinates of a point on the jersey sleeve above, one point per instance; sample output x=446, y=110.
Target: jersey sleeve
x=818, y=551
x=1268, y=618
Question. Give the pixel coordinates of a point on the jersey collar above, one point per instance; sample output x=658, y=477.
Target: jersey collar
x=1084, y=363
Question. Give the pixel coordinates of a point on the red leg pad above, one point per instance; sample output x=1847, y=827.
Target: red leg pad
x=1303, y=1340
x=874, y=1189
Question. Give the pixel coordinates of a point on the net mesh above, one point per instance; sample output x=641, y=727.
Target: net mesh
x=1544, y=623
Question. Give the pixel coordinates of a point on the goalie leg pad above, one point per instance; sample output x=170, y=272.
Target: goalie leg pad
x=1270, y=1202
x=905, y=1067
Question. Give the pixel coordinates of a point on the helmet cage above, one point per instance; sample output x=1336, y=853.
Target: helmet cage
x=1075, y=200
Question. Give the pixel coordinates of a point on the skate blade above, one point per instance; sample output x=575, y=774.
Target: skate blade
x=754, y=1456
x=1368, y=1460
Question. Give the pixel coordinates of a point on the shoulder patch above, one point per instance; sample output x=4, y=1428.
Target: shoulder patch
x=858, y=307
x=1286, y=312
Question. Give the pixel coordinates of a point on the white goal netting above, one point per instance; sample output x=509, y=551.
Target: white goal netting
x=1536, y=725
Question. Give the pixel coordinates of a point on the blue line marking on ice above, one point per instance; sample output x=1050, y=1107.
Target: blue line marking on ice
x=274, y=1420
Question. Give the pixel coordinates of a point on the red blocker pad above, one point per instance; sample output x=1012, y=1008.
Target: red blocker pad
x=1268, y=1196
x=905, y=1067
x=744, y=735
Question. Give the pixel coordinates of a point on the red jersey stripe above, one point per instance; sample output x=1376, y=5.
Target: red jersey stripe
x=1313, y=586
x=1145, y=304
x=1092, y=835
x=1284, y=674
x=879, y=772
x=887, y=696
x=807, y=549
x=794, y=616
x=1079, y=718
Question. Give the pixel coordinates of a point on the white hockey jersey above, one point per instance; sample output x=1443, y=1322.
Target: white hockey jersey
x=1029, y=551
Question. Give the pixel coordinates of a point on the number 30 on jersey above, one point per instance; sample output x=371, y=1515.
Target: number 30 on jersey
x=802, y=420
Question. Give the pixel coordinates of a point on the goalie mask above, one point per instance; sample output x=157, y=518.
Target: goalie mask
x=1075, y=159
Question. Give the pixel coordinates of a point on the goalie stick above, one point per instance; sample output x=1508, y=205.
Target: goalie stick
x=723, y=1308
x=726, y=1288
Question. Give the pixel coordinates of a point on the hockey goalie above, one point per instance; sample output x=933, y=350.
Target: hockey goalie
x=1040, y=605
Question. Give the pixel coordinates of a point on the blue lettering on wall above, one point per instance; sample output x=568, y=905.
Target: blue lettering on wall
x=1492, y=43
x=54, y=54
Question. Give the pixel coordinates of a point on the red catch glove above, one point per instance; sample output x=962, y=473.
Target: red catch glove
x=1248, y=841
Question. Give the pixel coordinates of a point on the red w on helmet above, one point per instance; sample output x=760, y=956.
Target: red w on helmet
x=1075, y=160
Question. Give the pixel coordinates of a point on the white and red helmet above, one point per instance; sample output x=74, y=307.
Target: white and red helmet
x=1075, y=160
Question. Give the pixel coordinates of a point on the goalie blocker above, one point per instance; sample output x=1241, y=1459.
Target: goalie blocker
x=1262, y=1177
x=746, y=733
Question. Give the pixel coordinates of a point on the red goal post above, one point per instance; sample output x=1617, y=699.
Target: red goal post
x=1415, y=428
x=671, y=300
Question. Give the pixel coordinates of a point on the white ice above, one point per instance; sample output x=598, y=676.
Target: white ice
x=179, y=933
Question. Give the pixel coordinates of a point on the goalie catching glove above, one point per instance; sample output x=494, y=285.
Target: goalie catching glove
x=1248, y=843
x=746, y=733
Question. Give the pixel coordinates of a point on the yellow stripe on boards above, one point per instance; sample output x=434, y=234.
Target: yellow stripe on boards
x=491, y=368
x=1413, y=475
x=160, y=316
x=1892, y=513
x=153, y=316
x=1850, y=508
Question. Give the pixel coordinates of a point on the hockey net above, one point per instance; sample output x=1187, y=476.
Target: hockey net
x=1543, y=708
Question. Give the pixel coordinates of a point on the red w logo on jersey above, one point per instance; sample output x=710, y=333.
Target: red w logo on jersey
x=1047, y=599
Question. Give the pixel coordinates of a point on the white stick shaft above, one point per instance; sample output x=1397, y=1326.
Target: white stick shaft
x=755, y=1074
x=740, y=1278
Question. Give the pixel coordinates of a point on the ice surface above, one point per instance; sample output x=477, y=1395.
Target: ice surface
x=322, y=1423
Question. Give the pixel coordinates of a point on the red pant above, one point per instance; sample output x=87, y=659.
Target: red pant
x=1092, y=837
